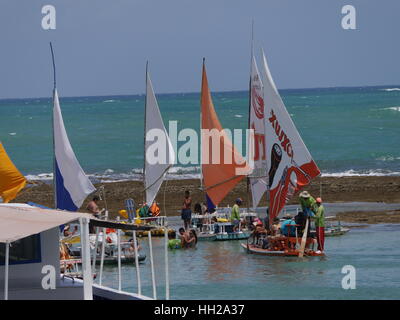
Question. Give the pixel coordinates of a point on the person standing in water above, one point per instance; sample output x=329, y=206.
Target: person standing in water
x=235, y=215
x=187, y=210
x=319, y=219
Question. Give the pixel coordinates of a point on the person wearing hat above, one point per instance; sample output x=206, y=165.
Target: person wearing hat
x=235, y=215
x=308, y=204
x=319, y=219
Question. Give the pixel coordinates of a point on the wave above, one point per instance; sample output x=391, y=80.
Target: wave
x=362, y=173
x=393, y=108
x=391, y=89
x=388, y=158
x=185, y=173
x=108, y=101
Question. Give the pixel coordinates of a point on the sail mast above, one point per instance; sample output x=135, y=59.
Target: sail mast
x=144, y=136
x=52, y=123
x=249, y=110
x=201, y=144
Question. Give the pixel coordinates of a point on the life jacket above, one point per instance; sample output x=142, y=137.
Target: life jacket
x=144, y=211
x=155, y=210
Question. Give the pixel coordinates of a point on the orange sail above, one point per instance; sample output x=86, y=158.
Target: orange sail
x=11, y=180
x=222, y=166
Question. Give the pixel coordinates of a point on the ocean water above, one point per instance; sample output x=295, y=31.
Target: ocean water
x=223, y=270
x=349, y=131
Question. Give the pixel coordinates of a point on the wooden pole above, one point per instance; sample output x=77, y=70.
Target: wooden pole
x=153, y=279
x=6, y=265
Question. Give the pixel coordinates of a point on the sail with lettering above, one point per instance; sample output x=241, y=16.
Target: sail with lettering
x=290, y=165
x=159, y=154
x=258, y=179
x=11, y=180
x=221, y=164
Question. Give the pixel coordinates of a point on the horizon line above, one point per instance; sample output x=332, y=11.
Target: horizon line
x=198, y=92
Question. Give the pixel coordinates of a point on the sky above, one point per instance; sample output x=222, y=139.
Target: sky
x=102, y=46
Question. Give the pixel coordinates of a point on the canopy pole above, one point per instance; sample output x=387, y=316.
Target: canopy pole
x=103, y=243
x=166, y=265
x=139, y=284
x=119, y=258
x=86, y=266
x=102, y=255
x=95, y=251
x=6, y=264
x=153, y=279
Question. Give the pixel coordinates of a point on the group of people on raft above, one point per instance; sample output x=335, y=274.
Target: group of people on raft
x=273, y=237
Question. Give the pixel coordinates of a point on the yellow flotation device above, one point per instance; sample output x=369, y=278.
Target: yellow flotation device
x=123, y=214
x=222, y=220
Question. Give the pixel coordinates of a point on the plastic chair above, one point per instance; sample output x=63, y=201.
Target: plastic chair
x=131, y=209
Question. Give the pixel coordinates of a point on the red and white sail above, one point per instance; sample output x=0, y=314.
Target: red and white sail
x=258, y=179
x=290, y=165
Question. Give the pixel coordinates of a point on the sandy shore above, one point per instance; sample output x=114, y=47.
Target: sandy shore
x=333, y=189
x=371, y=217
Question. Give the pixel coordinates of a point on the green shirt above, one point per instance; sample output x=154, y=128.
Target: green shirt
x=235, y=213
x=320, y=216
x=308, y=203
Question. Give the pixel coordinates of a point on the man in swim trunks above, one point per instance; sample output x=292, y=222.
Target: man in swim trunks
x=187, y=210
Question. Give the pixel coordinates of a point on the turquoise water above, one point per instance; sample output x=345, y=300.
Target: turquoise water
x=347, y=130
x=223, y=270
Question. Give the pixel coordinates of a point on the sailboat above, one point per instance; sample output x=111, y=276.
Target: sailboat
x=159, y=156
x=290, y=165
x=222, y=166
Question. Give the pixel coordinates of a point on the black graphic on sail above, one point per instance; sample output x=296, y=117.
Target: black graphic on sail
x=276, y=157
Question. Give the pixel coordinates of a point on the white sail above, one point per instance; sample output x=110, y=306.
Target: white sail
x=290, y=165
x=159, y=152
x=258, y=178
x=72, y=185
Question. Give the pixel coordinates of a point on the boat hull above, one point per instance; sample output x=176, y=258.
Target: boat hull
x=252, y=249
x=232, y=236
x=124, y=260
x=206, y=237
x=156, y=232
x=336, y=232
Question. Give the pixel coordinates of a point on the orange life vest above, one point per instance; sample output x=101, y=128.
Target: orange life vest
x=155, y=210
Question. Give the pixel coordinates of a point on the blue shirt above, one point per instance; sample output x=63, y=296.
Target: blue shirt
x=285, y=226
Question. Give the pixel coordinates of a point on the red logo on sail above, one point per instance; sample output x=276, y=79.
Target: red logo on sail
x=258, y=103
